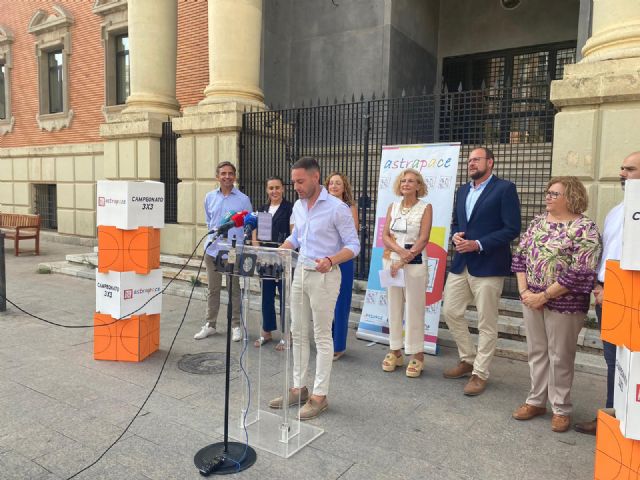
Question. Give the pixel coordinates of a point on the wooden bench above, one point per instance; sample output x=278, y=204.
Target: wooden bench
x=21, y=227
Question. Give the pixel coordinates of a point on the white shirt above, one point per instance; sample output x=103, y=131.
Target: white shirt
x=273, y=209
x=325, y=229
x=611, y=238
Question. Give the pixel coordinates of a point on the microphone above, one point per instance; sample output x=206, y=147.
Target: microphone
x=250, y=223
x=224, y=228
x=227, y=216
x=238, y=218
x=225, y=224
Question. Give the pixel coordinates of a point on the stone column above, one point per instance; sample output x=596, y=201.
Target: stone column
x=615, y=31
x=210, y=131
x=599, y=102
x=153, y=33
x=132, y=138
x=235, y=33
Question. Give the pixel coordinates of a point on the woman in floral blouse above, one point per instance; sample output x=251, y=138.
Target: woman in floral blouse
x=555, y=264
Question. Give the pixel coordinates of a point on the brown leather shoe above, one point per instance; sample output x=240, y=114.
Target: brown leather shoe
x=313, y=408
x=560, y=423
x=527, y=412
x=475, y=386
x=587, y=427
x=461, y=370
x=294, y=398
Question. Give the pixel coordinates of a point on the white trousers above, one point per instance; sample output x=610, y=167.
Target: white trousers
x=409, y=302
x=313, y=300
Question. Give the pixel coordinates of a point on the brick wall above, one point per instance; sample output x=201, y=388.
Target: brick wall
x=86, y=75
x=86, y=69
x=192, y=75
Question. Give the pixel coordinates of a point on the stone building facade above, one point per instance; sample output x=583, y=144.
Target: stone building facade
x=201, y=65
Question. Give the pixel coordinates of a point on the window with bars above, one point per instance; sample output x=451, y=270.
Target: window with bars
x=122, y=69
x=3, y=102
x=55, y=81
x=45, y=205
x=514, y=67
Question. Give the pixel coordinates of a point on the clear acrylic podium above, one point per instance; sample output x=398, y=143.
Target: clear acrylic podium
x=277, y=431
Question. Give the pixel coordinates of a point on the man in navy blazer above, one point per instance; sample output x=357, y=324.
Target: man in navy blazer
x=486, y=219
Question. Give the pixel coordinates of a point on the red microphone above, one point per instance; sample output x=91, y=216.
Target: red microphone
x=238, y=218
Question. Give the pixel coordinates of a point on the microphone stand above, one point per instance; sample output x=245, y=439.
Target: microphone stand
x=226, y=457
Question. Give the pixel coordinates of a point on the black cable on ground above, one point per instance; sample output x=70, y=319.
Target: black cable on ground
x=123, y=316
x=166, y=358
x=164, y=363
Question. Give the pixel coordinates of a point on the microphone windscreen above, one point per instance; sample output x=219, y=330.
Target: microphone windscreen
x=238, y=218
x=227, y=217
x=251, y=221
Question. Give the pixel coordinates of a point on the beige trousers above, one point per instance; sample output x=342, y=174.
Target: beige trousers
x=409, y=300
x=213, y=295
x=313, y=301
x=551, y=345
x=459, y=291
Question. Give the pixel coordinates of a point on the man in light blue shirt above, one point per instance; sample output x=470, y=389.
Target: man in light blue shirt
x=326, y=235
x=472, y=197
x=217, y=203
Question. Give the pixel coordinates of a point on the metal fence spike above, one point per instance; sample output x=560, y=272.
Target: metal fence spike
x=361, y=97
x=424, y=90
x=403, y=94
x=460, y=87
x=373, y=96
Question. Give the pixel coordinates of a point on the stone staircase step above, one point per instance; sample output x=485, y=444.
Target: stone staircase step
x=511, y=344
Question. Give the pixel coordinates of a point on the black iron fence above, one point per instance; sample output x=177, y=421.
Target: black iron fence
x=45, y=205
x=169, y=172
x=515, y=122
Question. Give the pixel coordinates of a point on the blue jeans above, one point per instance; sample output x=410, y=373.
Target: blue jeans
x=268, y=303
x=343, y=307
x=610, y=359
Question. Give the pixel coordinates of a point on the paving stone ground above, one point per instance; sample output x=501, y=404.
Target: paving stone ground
x=60, y=409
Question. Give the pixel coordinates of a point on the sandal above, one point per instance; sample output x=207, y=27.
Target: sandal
x=281, y=346
x=261, y=341
x=338, y=355
x=391, y=361
x=414, y=369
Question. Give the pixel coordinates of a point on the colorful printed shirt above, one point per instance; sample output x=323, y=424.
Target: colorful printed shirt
x=564, y=252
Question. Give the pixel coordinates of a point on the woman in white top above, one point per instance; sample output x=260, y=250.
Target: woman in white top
x=280, y=210
x=405, y=236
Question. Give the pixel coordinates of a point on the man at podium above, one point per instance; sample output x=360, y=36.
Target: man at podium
x=325, y=233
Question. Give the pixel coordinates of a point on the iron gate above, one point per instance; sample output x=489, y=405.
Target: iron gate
x=515, y=122
x=169, y=172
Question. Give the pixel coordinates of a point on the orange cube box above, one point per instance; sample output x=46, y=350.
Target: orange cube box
x=127, y=340
x=621, y=307
x=620, y=326
x=617, y=457
x=622, y=286
x=128, y=250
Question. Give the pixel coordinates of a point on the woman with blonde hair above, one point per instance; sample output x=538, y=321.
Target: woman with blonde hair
x=555, y=265
x=405, y=236
x=339, y=186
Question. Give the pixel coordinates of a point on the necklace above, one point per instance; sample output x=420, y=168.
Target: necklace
x=406, y=210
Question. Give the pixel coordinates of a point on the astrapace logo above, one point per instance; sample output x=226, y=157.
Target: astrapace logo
x=128, y=294
x=101, y=201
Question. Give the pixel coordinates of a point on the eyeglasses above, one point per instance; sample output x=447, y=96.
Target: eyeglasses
x=553, y=195
x=477, y=159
